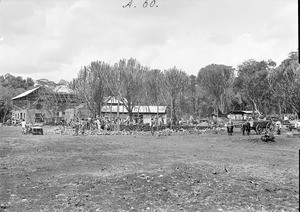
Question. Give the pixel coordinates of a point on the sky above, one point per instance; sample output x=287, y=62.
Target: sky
x=54, y=39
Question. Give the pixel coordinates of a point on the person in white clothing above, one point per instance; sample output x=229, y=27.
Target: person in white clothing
x=278, y=127
x=297, y=125
x=23, y=124
x=98, y=123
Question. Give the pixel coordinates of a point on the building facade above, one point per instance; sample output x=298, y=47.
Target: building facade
x=43, y=105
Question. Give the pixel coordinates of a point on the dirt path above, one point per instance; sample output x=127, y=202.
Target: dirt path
x=208, y=172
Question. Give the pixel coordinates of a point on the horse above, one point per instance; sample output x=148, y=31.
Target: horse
x=246, y=128
x=230, y=128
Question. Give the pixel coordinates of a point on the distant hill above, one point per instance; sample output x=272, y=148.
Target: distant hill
x=63, y=82
x=46, y=83
x=61, y=86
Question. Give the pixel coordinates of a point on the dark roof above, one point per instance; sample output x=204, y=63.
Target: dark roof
x=241, y=112
x=26, y=93
x=57, y=90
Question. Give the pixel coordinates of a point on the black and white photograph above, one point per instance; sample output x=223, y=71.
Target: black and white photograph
x=149, y=105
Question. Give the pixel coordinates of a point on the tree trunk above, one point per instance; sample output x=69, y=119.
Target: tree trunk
x=173, y=108
x=171, y=117
x=4, y=115
x=217, y=108
x=279, y=107
x=130, y=113
x=194, y=104
x=138, y=118
x=99, y=109
x=118, y=109
x=255, y=107
x=157, y=116
x=110, y=110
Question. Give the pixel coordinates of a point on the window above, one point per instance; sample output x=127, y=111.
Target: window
x=39, y=118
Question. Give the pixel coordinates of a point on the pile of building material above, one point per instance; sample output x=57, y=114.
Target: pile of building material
x=162, y=132
x=295, y=134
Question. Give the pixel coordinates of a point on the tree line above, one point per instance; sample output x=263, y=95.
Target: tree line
x=260, y=86
x=11, y=86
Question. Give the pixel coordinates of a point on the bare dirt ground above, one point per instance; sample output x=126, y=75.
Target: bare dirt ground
x=207, y=172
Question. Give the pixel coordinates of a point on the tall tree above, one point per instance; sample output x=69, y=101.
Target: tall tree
x=9, y=80
x=285, y=83
x=154, y=87
x=217, y=81
x=175, y=82
x=126, y=81
x=5, y=102
x=11, y=86
x=90, y=85
x=252, y=82
x=192, y=93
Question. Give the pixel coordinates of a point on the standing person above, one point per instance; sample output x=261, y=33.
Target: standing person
x=89, y=123
x=102, y=122
x=23, y=124
x=127, y=120
x=297, y=125
x=76, y=126
x=70, y=122
x=191, y=120
x=278, y=127
x=152, y=123
x=98, y=123
x=246, y=127
x=83, y=125
x=62, y=126
x=162, y=120
x=106, y=123
x=118, y=122
x=159, y=121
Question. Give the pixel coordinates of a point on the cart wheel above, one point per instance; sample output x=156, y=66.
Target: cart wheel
x=258, y=129
x=270, y=126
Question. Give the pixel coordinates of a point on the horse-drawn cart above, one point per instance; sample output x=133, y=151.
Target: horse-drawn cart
x=33, y=129
x=257, y=125
x=262, y=125
x=239, y=119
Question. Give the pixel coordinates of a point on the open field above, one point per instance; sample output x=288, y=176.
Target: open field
x=207, y=172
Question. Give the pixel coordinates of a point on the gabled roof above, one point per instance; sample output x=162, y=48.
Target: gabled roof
x=135, y=110
x=113, y=100
x=58, y=89
x=26, y=93
x=149, y=109
x=62, y=89
x=241, y=112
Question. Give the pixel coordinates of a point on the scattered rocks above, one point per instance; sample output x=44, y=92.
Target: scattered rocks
x=4, y=206
x=293, y=134
x=135, y=130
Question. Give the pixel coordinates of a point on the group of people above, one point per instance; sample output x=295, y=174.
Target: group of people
x=83, y=124
x=156, y=121
x=80, y=125
x=97, y=123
